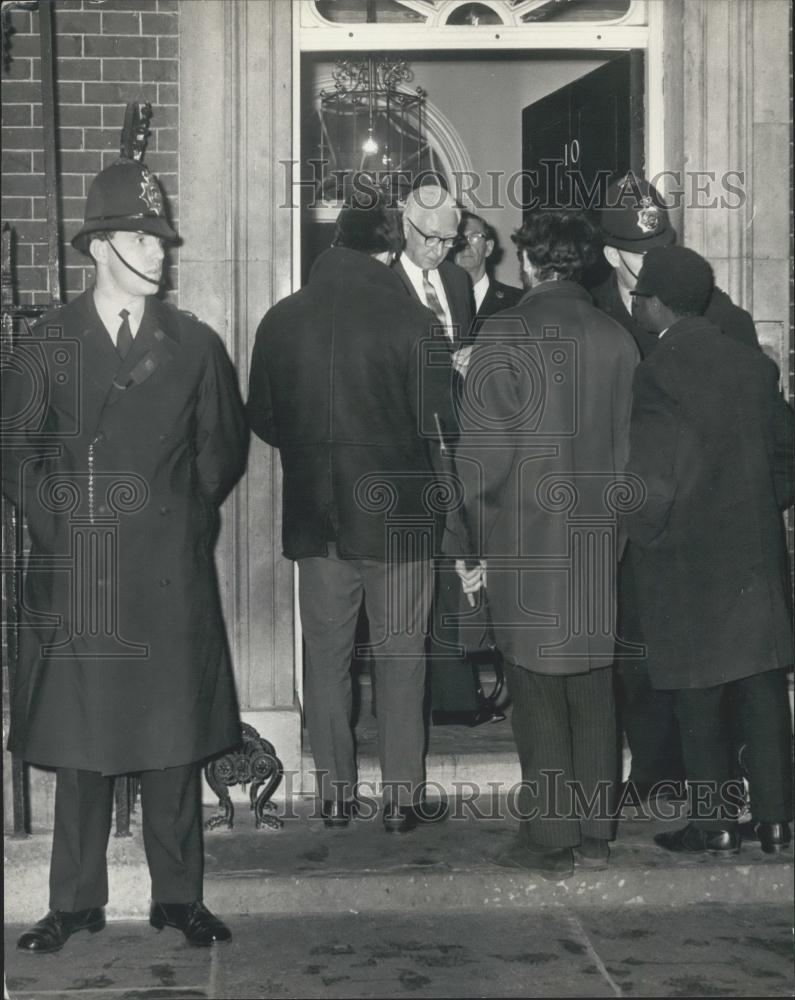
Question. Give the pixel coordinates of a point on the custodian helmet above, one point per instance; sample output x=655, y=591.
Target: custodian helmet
x=124, y=196
x=634, y=217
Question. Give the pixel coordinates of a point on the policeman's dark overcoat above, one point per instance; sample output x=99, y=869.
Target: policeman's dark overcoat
x=120, y=467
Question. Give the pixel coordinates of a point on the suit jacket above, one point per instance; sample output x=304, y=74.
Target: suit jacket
x=497, y=298
x=458, y=289
x=119, y=468
x=544, y=440
x=711, y=440
x=721, y=311
x=346, y=377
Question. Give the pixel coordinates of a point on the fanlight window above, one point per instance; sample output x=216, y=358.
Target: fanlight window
x=466, y=12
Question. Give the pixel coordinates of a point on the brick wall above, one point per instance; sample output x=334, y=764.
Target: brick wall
x=108, y=52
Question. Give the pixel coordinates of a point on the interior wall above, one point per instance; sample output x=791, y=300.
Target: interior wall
x=483, y=99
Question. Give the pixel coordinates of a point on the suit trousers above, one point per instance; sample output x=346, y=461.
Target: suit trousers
x=171, y=819
x=565, y=732
x=397, y=599
x=765, y=726
x=453, y=681
x=648, y=718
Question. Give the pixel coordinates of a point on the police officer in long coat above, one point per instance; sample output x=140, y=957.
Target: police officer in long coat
x=124, y=431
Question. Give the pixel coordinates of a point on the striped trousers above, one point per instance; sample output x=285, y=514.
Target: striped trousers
x=565, y=733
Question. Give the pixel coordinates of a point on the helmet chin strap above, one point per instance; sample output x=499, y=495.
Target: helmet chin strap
x=152, y=281
x=634, y=274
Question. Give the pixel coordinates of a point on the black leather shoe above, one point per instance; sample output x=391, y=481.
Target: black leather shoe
x=403, y=819
x=52, y=932
x=338, y=813
x=693, y=840
x=444, y=718
x=772, y=837
x=195, y=921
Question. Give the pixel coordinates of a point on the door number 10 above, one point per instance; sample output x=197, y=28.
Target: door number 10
x=571, y=152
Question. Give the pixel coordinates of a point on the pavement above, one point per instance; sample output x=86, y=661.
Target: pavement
x=360, y=913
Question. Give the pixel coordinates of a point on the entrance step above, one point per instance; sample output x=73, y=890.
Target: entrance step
x=304, y=868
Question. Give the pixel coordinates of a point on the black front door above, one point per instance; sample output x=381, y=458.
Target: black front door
x=575, y=140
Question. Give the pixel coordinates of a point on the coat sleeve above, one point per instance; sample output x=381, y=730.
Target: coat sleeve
x=623, y=376
x=492, y=398
x=783, y=473
x=221, y=433
x=654, y=432
x=259, y=407
x=430, y=390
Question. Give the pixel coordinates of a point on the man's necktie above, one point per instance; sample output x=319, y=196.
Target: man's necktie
x=124, y=338
x=433, y=301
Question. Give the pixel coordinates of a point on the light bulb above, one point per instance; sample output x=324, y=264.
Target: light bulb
x=370, y=146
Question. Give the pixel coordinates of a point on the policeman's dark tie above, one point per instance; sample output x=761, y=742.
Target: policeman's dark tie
x=124, y=338
x=433, y=301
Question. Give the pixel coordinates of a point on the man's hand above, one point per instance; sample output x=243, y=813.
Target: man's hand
x=471, y=579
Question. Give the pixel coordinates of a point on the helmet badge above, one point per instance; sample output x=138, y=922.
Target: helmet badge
x=150, y=193
x=648, y=215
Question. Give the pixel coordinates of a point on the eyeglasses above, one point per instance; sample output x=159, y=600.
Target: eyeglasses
x=471, y=238
x=434, y=242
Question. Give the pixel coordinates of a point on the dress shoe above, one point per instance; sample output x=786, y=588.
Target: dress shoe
x=195, y=921
x=772, y=837
x=552, y=863
x=593, y=853
x=403, y=819
x=338, y=812
x=52, y=932
x=694, y=840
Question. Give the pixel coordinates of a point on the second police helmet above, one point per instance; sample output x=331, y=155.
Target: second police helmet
x=634, y=217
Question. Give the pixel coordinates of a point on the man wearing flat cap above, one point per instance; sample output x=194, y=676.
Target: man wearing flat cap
x=634, y=221
x=340, y=385
x=711, y=440
x=124, y=431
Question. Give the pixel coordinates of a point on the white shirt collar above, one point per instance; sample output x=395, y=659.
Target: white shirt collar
x=480, y=288
x=110, y=308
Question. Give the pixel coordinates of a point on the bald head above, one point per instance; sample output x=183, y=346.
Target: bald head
x=430, y=225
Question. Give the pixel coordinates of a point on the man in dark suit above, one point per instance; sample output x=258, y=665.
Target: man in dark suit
x=124, y=432
x=491, y=296
x=634, y=221
x=544, y=439
x=431, y=220
x=711, y=439
x=342, y=385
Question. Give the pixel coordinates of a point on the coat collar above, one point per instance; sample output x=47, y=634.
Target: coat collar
x=556, y=289
x=154, y=346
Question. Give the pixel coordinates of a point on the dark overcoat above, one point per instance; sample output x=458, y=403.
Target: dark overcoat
x=544, y=439
x=712, y=441
x=346, y=377
x=119, y=468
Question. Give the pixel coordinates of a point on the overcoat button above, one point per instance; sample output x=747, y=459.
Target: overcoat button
x=165, y=510
x=162, y=437
x=164, y=582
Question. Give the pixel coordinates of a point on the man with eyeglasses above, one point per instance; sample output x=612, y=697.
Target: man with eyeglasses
x=431, y=221
x=479, y=241
x=634, y=221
